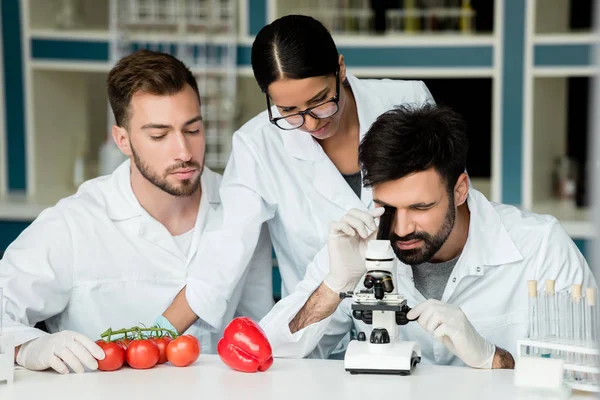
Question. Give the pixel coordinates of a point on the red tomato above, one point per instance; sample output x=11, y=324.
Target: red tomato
x=183, y=351
x=142, y=354
x=162, y=344
x=124, y=343
x=114, y=356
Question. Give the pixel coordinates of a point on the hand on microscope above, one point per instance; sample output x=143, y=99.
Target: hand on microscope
x=346, y=246
x=449, y=324
x=348, y=239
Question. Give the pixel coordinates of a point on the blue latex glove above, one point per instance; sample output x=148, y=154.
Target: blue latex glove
x=162, y=322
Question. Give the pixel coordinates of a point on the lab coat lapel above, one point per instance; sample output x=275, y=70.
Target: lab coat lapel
x=488, y=244
x=123, y=205
x=157, y=234
x=368, y=107
x=330, y=183
x=207, y=214
x=326, y=178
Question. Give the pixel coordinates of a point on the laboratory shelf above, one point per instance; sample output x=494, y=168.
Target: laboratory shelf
x=70, y=45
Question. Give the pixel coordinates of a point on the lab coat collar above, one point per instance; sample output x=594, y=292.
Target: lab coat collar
x=126, y=206
x=123, y=204
x=155, y=232
x=330, y=183
x=488, y=243
x=327, y=179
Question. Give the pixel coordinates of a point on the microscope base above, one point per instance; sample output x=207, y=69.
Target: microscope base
x=396, y=358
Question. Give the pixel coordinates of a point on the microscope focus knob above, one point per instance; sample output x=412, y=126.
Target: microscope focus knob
x=380, y=336
x=401, y=318
x=362, y=337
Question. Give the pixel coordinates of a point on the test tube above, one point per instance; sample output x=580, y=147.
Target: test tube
x=565, y=327
x=578, y=324
x=533, y=312
x=591, y=329
x=548, y=318
x=541, y=310
x=577, y=316
x=564, y=316
x=551, y=314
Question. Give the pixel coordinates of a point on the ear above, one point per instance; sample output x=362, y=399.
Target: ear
x=461, y=189
x=342, y=74
x=121, y=138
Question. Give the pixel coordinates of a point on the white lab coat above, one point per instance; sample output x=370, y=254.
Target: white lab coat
x=97, y=259
x=286, y=179
x=505, y=248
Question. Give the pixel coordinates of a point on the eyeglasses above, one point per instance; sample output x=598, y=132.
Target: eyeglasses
x=320, y=111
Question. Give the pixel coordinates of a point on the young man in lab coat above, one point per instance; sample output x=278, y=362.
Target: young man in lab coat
x=464, y=262
x=117, y=252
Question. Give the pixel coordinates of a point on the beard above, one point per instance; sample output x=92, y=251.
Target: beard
x=431, y=243
x=186, y=188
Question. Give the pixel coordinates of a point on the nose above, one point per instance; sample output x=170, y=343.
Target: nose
x=403, y=225
x=310, y=122
x=183, y=152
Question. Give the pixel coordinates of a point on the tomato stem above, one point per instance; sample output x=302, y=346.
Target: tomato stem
x=137, y=332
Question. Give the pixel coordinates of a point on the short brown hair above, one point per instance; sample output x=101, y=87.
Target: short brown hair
x=148, y=71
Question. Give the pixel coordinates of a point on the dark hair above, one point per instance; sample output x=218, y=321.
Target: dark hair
x=148, y=71
x=414, y=138
x=293, y=47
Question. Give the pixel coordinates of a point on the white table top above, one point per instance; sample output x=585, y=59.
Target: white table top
x=287, y=379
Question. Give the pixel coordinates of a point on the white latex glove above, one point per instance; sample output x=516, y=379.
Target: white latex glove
x=60, y=351
x=449, y=324
x=347, y=244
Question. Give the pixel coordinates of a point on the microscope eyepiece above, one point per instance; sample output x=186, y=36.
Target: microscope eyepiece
x=385, y=223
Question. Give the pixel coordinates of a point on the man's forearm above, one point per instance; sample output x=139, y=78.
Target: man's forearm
x=179, y=313
x=503, y=359
x=320, y=305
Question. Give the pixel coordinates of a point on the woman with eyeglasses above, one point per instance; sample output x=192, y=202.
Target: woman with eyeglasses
x=294, y=166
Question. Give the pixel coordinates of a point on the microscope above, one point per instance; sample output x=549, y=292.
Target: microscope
x=380, y=306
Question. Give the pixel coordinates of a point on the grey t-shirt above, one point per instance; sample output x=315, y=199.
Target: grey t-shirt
x=355, y=182
x=431, y=279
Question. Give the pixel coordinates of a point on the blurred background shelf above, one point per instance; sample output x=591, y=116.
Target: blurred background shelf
x=516, y=69
x=21, y=207
x=80, y=34
x=66, y=16
x=563, y=16
x=577, y=221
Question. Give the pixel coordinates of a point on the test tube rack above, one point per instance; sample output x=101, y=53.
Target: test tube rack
x=526, y=346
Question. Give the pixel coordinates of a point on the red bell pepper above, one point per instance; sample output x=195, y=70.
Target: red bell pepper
x=245, y=347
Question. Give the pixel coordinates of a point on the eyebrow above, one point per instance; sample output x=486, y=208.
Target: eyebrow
x=312, y=100
x=382, y=203
x=424, y=205
x=162, y=126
